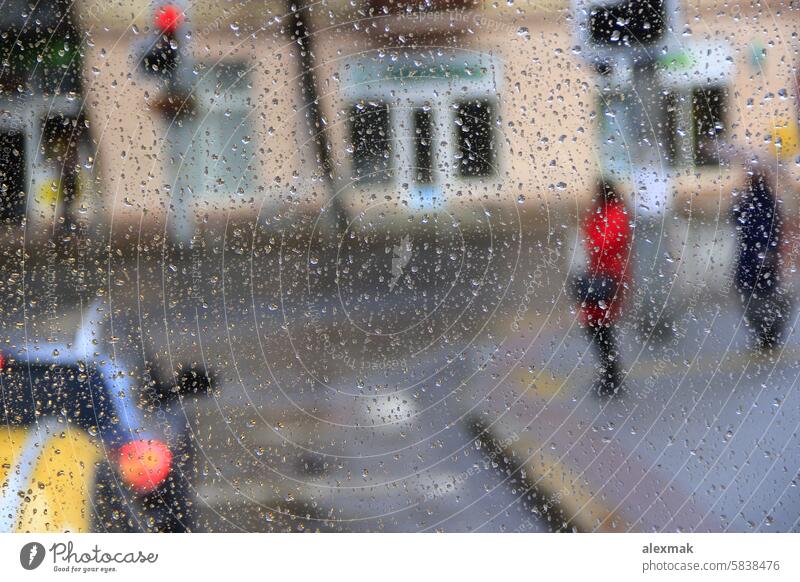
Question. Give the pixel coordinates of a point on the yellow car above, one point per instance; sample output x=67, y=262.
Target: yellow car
x=76, y=453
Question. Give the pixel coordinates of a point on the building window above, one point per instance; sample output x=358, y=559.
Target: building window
x=12, y=175
x=627, y=23
x=370, y=134
x=222, y=149
x=709, y=108
x=475, y=138
x=673, y=129
x=40, y=45
x=423, y=146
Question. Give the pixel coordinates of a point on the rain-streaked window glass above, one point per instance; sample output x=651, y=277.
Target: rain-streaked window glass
x=399, y=266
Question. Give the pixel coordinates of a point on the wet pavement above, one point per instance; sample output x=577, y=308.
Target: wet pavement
x=454, y=396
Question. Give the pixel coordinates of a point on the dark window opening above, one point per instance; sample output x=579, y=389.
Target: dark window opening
x=61, y=135
x=672, y=127
x=709, y=107
x=423, y=135
x=476, y=146
x=372, y=146
x=12, y=175
x=41, y=47
x=628, y=23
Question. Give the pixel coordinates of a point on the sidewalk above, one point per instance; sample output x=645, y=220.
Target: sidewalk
x=704, y=438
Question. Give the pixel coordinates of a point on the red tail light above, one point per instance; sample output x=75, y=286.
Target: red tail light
x=144, y=464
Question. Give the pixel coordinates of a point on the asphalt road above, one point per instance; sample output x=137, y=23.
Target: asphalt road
x=446, y=387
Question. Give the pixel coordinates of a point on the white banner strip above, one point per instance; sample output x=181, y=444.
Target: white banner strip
x=350, y=557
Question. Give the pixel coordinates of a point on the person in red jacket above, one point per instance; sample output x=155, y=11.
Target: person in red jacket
x=601, y=291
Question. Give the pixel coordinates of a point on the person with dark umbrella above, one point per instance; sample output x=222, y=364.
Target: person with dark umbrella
x=758, y=223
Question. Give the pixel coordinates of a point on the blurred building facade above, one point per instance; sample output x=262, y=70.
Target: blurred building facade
x=454, y=105
x=43, y=130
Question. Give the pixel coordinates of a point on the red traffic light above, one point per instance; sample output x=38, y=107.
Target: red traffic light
x=168, y=18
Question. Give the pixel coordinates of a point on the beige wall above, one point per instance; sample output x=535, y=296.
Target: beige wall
x=547, y=98
x=129, y=131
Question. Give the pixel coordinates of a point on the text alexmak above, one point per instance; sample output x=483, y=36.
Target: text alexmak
x=653, y=549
